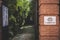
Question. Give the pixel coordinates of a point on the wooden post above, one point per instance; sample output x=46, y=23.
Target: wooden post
x=0, y=20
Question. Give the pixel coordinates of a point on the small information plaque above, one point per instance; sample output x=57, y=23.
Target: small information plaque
x=49, y=20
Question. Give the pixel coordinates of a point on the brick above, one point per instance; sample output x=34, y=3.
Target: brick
x=49, y=9
x=49, y=30
x=41, y=19
x=48, y=38
x=48, y=1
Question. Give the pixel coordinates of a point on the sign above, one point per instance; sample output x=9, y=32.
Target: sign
x=49, y=20
x=5, y=15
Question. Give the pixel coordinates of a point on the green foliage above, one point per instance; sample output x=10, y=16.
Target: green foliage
x=24, y=7
x=18, y=12
x=12, y=18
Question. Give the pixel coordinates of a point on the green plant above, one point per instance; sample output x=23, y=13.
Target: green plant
x=23, y=7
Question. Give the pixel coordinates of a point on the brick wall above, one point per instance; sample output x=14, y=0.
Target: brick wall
x=48, y=8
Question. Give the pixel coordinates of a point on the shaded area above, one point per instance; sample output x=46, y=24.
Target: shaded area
x=27, y=34
x=22, y=20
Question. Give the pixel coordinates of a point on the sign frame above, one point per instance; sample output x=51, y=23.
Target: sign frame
x=49, y=20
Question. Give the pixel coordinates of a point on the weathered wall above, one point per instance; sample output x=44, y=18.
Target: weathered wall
x=48, y=8
x=0, y=21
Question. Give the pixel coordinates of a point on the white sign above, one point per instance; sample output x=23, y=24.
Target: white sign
x=49, y=20
x=5, y=15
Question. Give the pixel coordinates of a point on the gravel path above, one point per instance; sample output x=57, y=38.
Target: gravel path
x=23, y=37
